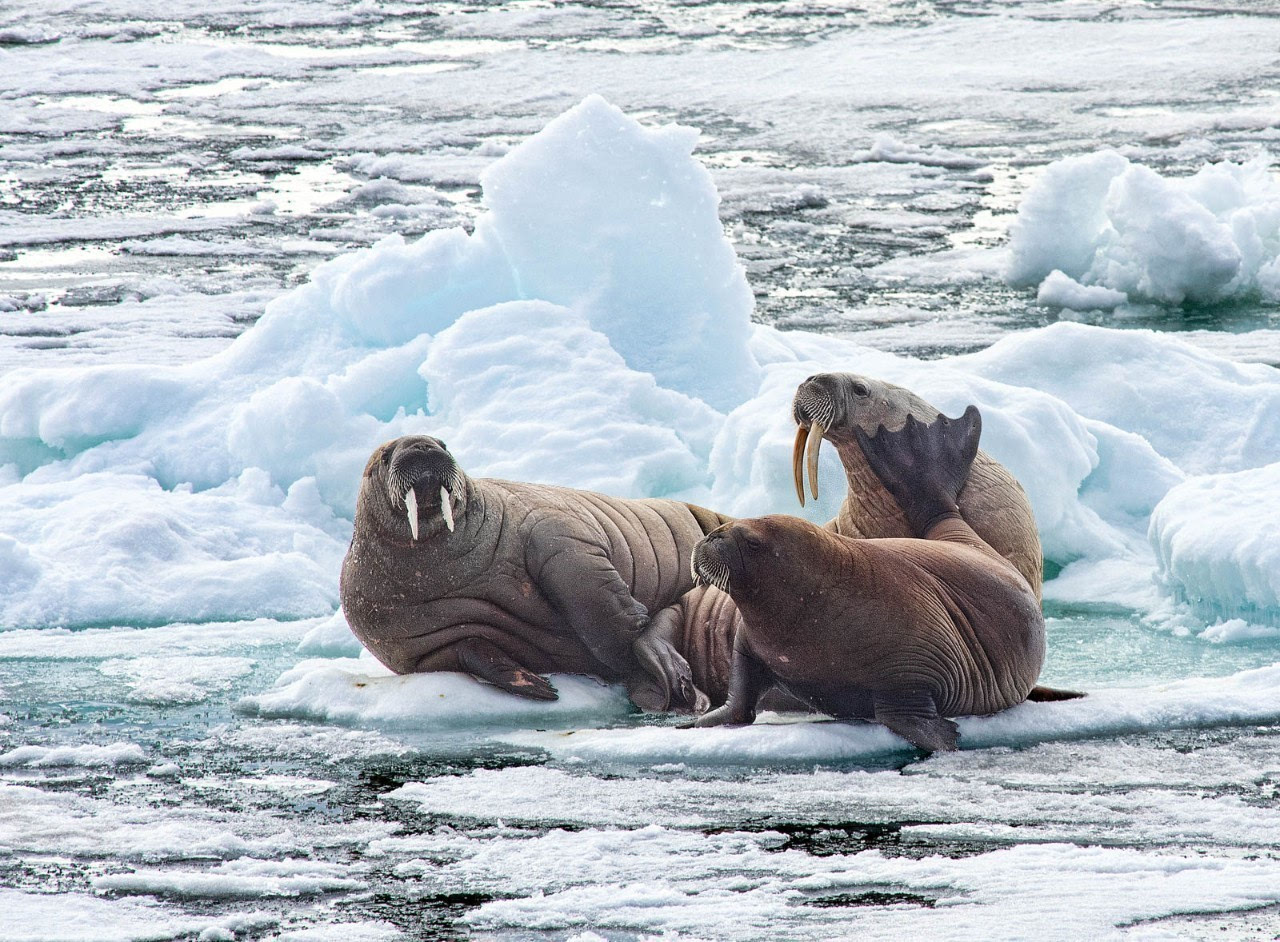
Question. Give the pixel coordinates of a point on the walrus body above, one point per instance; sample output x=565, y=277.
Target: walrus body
x=833, y=406
x=905, y=631
x=506, y=581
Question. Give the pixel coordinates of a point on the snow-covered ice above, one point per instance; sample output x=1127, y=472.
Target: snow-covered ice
x=241, y=247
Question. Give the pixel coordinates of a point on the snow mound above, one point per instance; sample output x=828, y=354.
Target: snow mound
x=363, y=692
x=1247, y=697
x=1103, y=223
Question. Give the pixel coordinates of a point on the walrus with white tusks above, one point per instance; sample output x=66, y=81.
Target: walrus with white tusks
x=904, y=631
x=834, y=406
x=507, y=581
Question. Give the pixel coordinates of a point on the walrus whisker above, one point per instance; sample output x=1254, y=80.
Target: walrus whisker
x=816, y=431
x=446, y=507
x=797, y=465
x=411, y=505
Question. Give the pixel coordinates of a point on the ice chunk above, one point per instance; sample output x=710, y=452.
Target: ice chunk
x=87, y=756
x=1216, y=544
x=1099, y=223
x=245, y=878
x=364, y=692
x=600, y=214
x=887, y=148
x=1064, y=291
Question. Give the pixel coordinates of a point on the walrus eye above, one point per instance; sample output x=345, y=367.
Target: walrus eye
x=752, y=542
x=386, y=456
x=443, y=446
x=860, y=389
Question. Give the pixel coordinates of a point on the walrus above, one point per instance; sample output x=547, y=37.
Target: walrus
x=904, y=631
x=506, y=581
x=833, y=406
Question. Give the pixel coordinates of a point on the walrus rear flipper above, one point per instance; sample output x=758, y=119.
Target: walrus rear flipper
x=708, y=520
x=1053, y=694
x=914, y=717
x=924, y=466
x=485, y=660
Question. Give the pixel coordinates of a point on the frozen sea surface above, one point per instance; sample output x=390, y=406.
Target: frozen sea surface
x=238, y=249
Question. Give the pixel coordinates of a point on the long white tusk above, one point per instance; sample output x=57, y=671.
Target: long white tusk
x=446, y=507
x=815, y=443
x=411, y=505
x=797, y=460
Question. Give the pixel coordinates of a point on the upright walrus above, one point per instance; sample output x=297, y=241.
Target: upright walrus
x=835, y=406
x=505, y=581
x=903, y=631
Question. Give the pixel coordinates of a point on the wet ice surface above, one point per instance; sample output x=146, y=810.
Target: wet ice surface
x=164, y=176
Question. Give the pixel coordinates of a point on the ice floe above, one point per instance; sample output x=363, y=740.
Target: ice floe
x=1247, y=697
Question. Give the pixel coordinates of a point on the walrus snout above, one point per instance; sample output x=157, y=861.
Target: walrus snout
x=423, y=466
x=707, y=561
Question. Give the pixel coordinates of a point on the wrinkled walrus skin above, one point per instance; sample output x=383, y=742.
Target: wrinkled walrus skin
x=905, y=631
x=832, y=406
x=506, y=581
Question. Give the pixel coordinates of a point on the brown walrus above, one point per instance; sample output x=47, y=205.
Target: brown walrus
x=900, y=630
x=505, y=581
x=833, y=406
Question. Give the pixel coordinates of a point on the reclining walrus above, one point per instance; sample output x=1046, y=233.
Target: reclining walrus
x=905, y=631
x=506, y=581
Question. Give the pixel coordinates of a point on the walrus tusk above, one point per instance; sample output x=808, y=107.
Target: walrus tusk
x=411, y=505
x=811, y=458
x=802, y=434
x=446, y=507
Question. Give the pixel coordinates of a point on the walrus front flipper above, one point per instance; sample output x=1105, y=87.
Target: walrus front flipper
x=924, y=466
x=914, y=717
x=748, y=679
x=1040, y=694
x=488, y=662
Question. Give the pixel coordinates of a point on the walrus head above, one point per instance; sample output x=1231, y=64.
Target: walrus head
x=414, y=480
x=731, y=555
x=832, y=405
